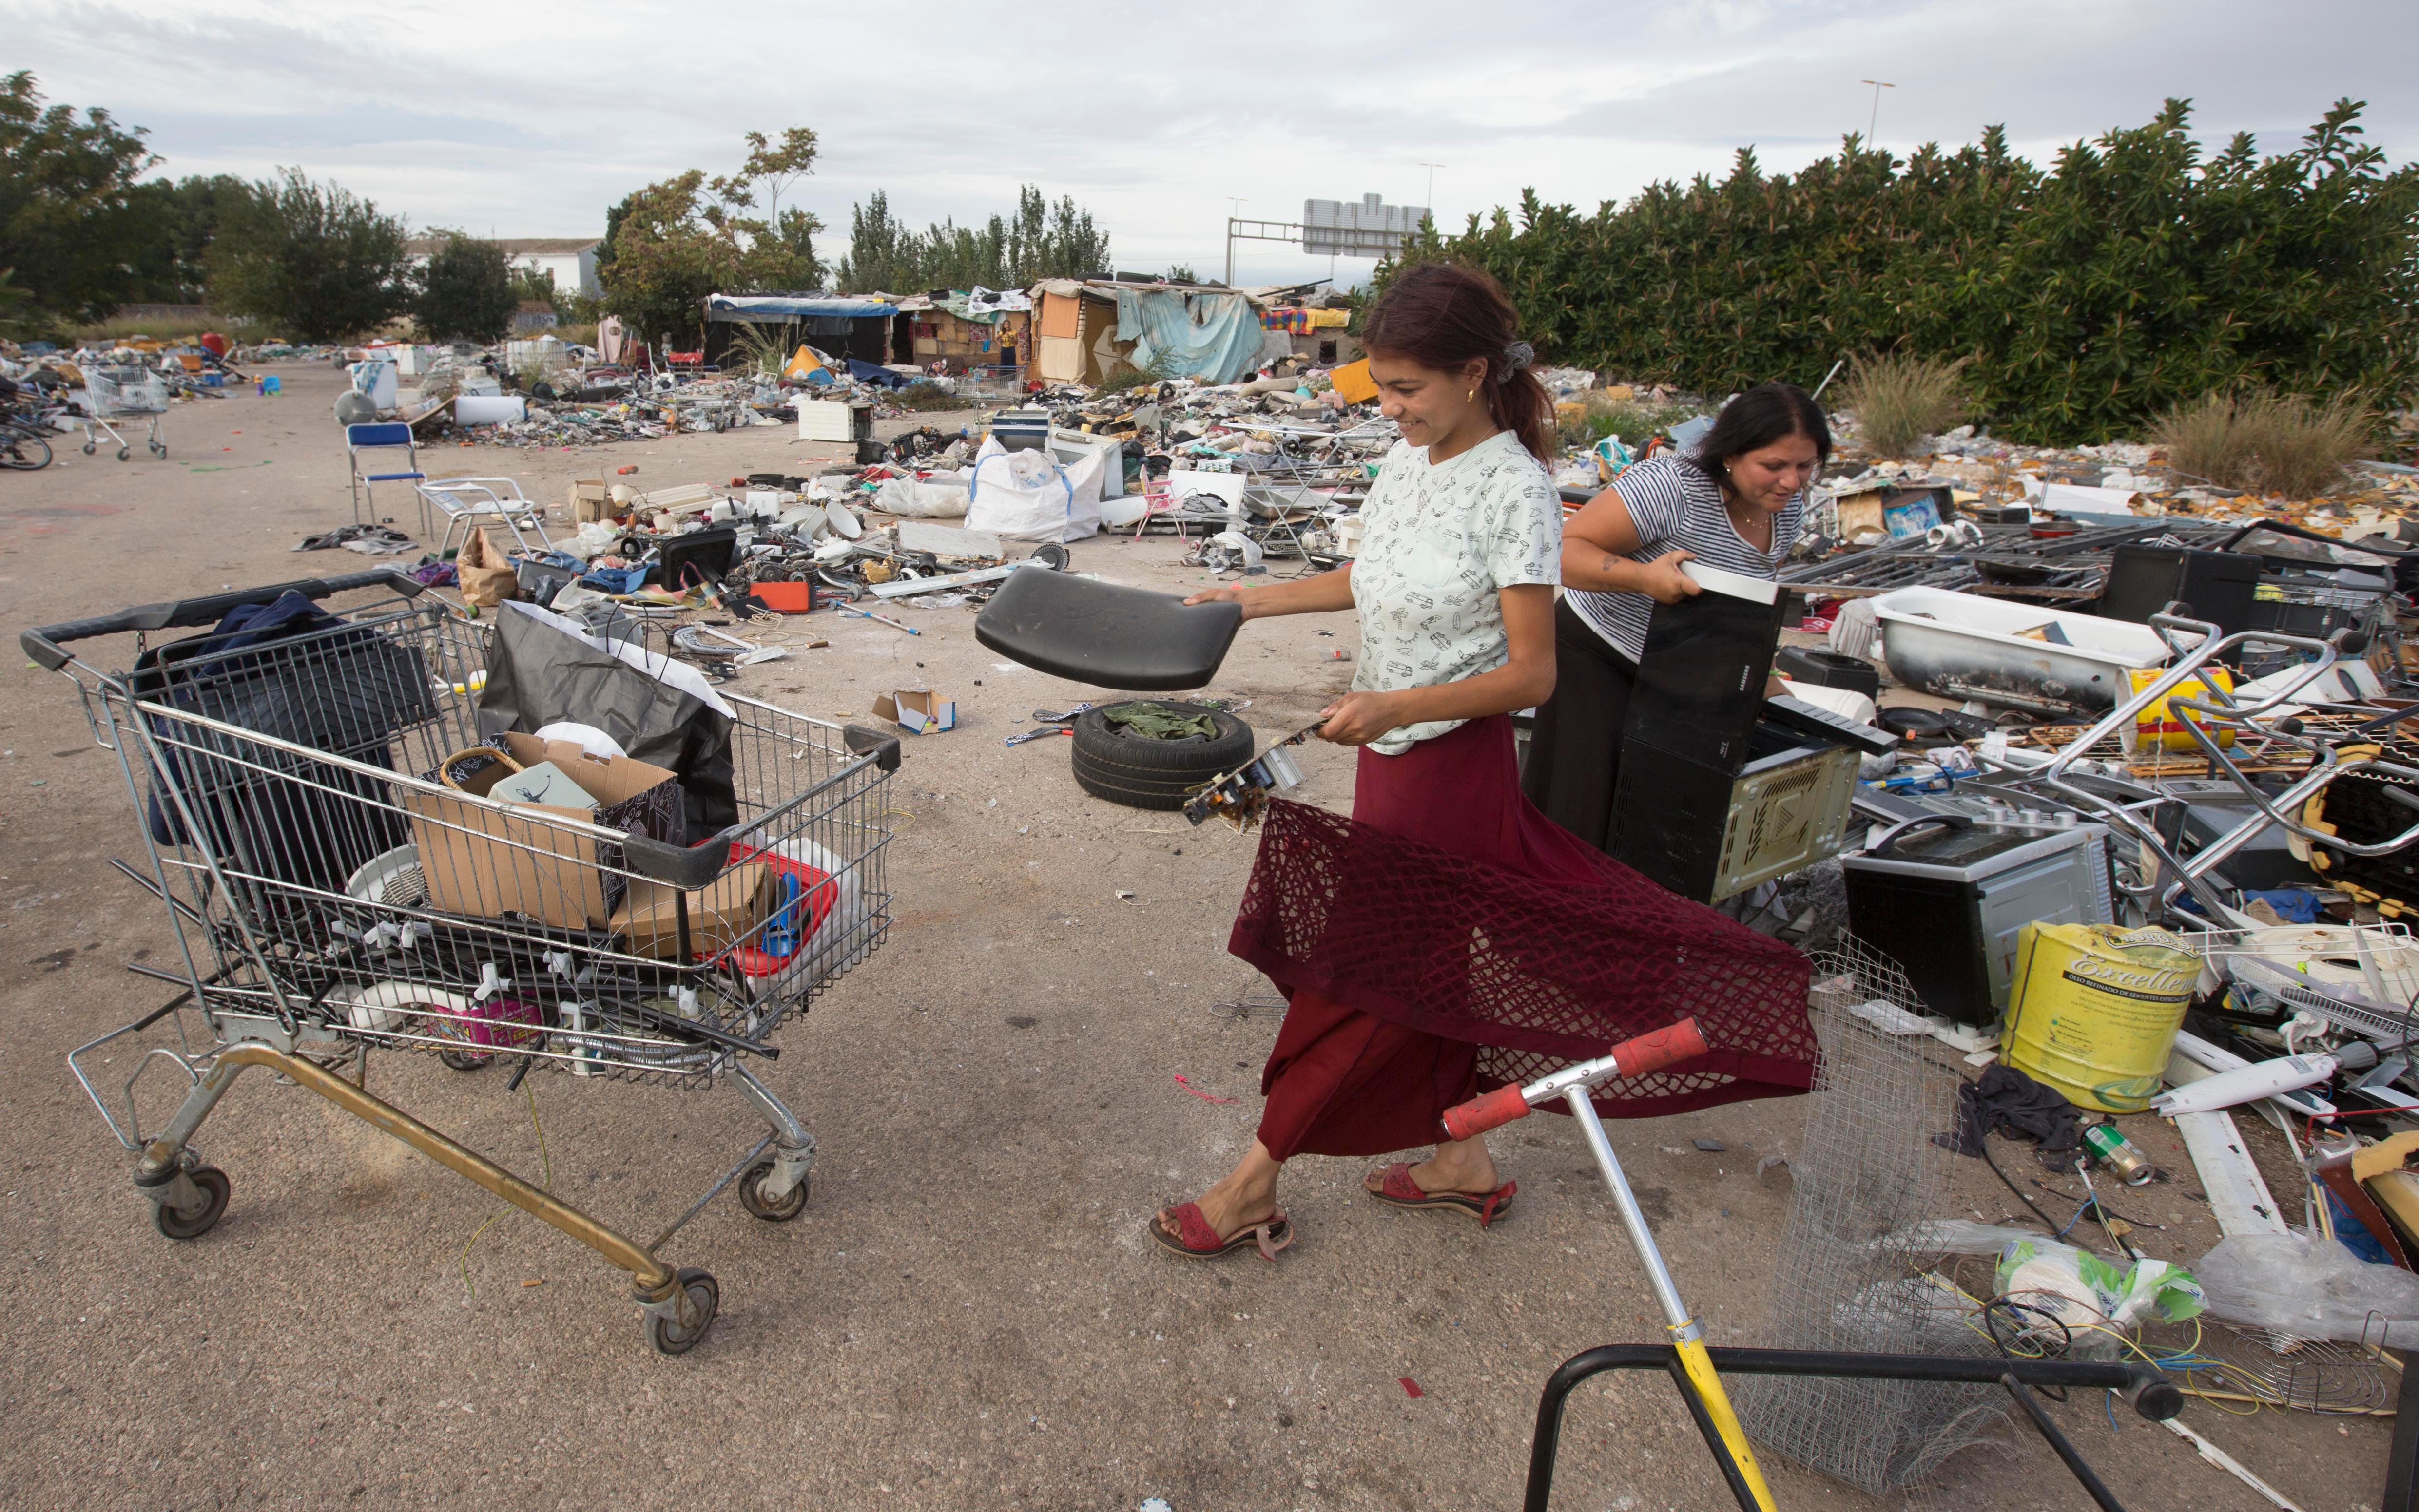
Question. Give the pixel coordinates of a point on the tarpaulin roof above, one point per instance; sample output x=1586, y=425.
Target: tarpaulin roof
x=776, y=308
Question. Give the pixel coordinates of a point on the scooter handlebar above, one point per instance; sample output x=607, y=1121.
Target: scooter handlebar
x=1682, y=1041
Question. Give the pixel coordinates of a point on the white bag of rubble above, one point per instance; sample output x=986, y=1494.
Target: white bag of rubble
x=941, y=496
x=1031, y=496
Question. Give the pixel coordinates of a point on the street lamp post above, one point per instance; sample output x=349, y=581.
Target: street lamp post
x=1873, y=121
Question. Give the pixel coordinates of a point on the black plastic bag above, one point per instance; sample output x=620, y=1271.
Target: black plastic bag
x=538, y=674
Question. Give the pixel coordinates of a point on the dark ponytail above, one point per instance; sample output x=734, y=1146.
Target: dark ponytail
x=1443, y=316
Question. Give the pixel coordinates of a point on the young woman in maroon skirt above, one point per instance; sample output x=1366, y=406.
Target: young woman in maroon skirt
x=1455, y=590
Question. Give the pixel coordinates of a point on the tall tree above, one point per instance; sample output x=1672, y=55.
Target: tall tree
x=468, y=290
x=314, y=259
x=1042, y=241
x=72, y=225
x=183, y=216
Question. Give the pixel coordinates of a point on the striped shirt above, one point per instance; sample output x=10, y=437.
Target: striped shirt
x=1674, y=506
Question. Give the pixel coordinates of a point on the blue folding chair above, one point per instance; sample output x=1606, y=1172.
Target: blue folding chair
x=383, y=437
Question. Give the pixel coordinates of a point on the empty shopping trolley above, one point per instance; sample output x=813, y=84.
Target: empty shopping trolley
x=122, y=392
x=350, y=864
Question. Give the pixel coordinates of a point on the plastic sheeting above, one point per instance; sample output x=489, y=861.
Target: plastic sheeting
x=1215, y=338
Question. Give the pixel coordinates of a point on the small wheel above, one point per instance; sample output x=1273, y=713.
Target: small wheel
x=669, y=1335
x=464, y=1060
x=161, y=450
x=752, y=1195
x=123, y=452
x=175, y=1225
x=88, y=448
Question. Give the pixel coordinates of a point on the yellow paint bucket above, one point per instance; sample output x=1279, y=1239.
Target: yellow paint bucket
x=2095, y=1010
x=2161, y=728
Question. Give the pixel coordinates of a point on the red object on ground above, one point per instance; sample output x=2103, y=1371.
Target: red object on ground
x=1198, y=1093
x=212, y=342
x=627, y=471
x=786, y=598
x=1410, y=1387
x=1449, y=939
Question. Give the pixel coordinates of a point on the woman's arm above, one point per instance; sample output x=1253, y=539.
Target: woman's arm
x=1322, y=594
x=1597, y=544
x=1524, y=682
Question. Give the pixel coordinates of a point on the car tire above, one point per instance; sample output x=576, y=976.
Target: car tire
x=1142, y=773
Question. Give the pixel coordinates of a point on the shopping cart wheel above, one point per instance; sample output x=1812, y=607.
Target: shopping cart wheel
x=88, y=448
x=125, y=452
x=175, y=1225
x=161, y=448
x=752, y=1195
x=669, y=1335
x=464, y=1060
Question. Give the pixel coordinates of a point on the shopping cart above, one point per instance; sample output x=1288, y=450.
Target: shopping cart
x=313, y=810
x=122, y=392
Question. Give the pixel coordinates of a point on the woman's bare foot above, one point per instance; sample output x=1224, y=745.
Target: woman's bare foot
x=1246, y=1197
x=1459, y=1166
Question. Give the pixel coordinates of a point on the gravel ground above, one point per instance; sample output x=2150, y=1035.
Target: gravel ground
x=968, y=1315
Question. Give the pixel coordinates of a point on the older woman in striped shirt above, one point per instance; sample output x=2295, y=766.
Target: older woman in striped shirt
x=1736, y=501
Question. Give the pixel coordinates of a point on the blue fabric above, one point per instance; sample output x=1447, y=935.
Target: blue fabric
x=2292, y=903
x=875, y=373
x=391, y=433
x=1215, y=338
x=776, y=307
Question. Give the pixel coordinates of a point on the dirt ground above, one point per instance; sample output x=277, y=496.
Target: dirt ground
x=968, y=1315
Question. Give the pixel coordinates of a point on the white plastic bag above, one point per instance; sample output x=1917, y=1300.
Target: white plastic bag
x=941, y=496
x=2292, y=1286
x=1029, y=496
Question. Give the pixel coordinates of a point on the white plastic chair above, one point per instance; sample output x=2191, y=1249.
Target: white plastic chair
x=472, y=503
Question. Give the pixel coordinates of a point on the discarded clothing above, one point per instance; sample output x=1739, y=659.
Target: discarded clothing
x=369, y=539
x=2006, y=1101
x=1160, y=724
x=875, y=373
x=1448, y=907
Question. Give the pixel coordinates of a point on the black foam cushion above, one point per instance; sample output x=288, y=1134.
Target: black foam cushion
x=1109, y=637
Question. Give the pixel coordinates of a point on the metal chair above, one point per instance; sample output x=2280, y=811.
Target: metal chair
x=387, y=437
x=472, y=503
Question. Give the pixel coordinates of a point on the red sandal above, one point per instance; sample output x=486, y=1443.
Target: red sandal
x=1195, y=1238
x=1400, y=1190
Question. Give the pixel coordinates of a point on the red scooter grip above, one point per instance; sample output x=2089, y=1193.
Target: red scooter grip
x=1682, y=1041
x=1492, y=1110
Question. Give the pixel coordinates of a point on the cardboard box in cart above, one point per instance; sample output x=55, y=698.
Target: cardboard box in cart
x=720, y=914
x=485, y=863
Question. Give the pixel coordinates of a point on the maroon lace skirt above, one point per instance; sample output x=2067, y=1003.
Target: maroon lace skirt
x=1449, y=937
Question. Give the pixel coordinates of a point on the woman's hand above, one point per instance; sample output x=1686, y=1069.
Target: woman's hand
x=1662, y=580
x=1358, y=718
x=1225, y=593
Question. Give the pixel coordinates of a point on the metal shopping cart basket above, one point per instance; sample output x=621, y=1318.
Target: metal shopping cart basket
x=119, y=394
x=314, y=801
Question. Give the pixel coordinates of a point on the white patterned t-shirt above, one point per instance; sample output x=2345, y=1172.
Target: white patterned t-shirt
x=1439, y=544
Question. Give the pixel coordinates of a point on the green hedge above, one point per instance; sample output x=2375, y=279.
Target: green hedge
x=2131, y=274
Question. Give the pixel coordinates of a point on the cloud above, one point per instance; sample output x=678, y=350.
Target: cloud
x=530, y=119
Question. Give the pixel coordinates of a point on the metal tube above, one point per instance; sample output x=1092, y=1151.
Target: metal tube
x=647, y=1274
x=2065, y=1450
x=1658, y=1275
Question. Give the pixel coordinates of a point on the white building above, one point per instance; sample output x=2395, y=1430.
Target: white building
x=570, y=260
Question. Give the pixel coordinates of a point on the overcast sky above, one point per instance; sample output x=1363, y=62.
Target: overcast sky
x=528, y=119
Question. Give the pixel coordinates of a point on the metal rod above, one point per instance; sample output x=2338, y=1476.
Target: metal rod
x=2065, y=1450
x=1633, y=1217
x=646, y=1272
